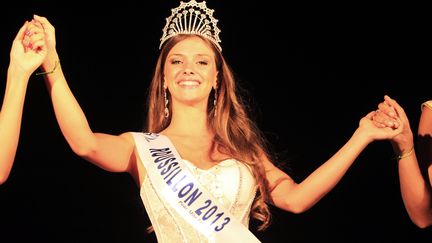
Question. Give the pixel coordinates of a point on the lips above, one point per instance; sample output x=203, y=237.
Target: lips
x=188, y=83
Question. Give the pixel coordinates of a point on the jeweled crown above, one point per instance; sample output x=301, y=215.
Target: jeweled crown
x=192, y=18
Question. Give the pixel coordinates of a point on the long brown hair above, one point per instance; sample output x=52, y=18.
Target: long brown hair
x=235, y=133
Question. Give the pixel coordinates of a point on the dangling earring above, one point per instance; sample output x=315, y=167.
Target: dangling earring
x=215, y=101
x=166, y=111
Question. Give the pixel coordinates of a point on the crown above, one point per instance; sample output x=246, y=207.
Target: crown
x=192, y=18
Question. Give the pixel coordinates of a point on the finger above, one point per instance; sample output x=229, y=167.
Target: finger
x=385, y=119
x=42, y=20
x=32, y=34
x=33, y=29
x=370, y=115
x=37, y=37
x=21, y=32
x=27, y=43
x=377, y=124
x=37, y=23
x=387, y=109
x=388, y=100
x=397, y=107
x=397, y=131
x=38, y=45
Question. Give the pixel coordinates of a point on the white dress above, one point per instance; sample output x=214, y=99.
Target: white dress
x=427, y=104
x=231, y=183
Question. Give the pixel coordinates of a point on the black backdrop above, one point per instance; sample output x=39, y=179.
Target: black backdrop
x=312, y=72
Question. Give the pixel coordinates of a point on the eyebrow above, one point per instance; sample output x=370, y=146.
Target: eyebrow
x=199, y=55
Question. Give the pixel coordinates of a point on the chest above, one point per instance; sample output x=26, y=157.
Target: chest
x=200, y=153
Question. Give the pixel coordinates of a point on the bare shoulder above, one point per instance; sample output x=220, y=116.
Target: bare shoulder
x=128, y=137
x=137, y=170
x=273, y=172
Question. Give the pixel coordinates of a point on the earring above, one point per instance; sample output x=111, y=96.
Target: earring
x=166, y=111
x=215, y=101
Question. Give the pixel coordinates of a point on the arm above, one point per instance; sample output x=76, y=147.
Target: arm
x=26, y=55
x=425, y=137
x=112, y=153
x=298, y=198
x=415, y=190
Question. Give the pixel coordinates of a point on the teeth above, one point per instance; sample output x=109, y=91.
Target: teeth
x=188, y=83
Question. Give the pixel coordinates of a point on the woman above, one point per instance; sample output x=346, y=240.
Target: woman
x=415, y=169
x=202, y=165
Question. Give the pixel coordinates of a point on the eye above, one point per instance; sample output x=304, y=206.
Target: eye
x=203, y=62
x=175, y=61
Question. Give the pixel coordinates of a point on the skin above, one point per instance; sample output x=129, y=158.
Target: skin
x=415, y=186
x=26, y=55
x=189, y=75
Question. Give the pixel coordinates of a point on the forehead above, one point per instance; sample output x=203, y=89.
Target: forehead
x=192, y=45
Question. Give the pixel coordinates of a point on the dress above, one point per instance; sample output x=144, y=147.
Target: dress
x=427, y=104
x=231, y=183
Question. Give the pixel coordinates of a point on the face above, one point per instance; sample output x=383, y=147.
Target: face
x=190, y=71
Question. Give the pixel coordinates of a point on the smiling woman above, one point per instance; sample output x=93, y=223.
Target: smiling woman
x=190, y=74
x=202, y=165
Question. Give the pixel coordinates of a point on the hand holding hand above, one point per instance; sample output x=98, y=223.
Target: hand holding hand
x=391, y=114
x=28, y=48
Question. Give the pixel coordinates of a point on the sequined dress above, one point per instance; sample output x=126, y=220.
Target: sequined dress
x=231, y=183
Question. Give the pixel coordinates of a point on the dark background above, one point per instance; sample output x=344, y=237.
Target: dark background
x=312, y=72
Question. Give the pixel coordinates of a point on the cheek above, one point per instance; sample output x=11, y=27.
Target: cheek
x=170, y=73
x=210, y=74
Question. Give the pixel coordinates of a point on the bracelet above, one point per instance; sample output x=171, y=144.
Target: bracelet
x=49, y=72
x=404, y=155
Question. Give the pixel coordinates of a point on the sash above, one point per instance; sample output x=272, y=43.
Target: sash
x=176, y=186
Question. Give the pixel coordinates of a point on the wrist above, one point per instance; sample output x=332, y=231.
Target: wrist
x=50, y=62
x=402, y=145
x=404, y=154
x=19, y=73
x=56, y=66
x=362, y=137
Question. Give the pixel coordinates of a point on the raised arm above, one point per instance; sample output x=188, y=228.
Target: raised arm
x=26, y=55
x=299, y=197
x=110, y=152
x=415, y=189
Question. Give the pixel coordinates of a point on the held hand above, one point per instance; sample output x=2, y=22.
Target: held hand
x=49, y=31
x=28, y=48
x=380, y=132
x=52, y=57
x=404, y=141
x=385, y=116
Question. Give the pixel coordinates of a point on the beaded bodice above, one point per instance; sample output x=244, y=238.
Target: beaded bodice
x=230, y=182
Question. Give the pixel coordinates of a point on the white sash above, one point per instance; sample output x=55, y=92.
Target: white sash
x=177, y=186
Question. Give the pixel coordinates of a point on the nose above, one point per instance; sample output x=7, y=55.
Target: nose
x=188, y=68
x=188, y=71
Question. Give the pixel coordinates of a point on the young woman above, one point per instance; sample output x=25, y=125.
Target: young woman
x=415, y=168
x=201, y=164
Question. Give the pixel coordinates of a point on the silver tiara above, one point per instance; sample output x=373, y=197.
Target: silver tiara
x=192, y=18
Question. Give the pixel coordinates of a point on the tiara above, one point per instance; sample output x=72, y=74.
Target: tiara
x=192, y=18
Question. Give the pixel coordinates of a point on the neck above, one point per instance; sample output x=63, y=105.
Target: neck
x=189, y=121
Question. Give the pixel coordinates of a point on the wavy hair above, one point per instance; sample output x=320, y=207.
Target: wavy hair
x=235, y=133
